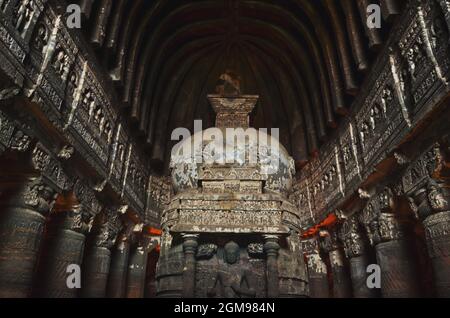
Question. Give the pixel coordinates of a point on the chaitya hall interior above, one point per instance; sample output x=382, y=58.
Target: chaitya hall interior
x=340, y=188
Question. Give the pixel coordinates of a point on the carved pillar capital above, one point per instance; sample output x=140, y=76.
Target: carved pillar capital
x=86, y=196
x=379, y=219
x=105, y=228
x=433, y=198
x=70, y=214
x=386, y=200
x=328, y=240
x=125, y=233
x=23, y=206
x=190, y=243
x=271, y=244
x=310, y=246
x=432, y=207
x=30, y=192
x=352, y=238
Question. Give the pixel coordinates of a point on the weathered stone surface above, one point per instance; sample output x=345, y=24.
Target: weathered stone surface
x=242, y=201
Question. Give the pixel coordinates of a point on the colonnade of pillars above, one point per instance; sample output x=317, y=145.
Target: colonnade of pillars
x=339, y=257
x=44, y=237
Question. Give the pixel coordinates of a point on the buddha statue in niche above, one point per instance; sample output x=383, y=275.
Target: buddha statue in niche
x=233, y=279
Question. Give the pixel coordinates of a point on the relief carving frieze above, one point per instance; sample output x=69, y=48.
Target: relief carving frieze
x=413, y=70
x=41, y=55
x=420, y=70
x=349, y=159
x=230, y=221
x=6, y=131
x=50, y=167
x=301, y=196
x=327, y=181
x=94, y=118
x=379, y=120
x=17, y=51
x=160, y=191
x=136, y=179
x=118, y=154
x=19, y=17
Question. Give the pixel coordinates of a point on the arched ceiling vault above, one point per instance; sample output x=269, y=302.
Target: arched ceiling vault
x=305, y=58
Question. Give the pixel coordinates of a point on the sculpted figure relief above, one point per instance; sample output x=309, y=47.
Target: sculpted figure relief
x=233, y=279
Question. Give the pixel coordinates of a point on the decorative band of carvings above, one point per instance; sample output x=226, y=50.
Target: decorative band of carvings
x=72, y=96
x=407, y=83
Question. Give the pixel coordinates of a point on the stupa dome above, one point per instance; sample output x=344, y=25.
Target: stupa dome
x=246, y=153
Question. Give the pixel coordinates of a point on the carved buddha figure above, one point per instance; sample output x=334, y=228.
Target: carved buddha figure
x=233, y=278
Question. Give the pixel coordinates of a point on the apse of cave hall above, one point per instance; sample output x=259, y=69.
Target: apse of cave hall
x=224, y=148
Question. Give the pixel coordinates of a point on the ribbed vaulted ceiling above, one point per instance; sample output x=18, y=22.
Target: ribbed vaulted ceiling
x=305, y=58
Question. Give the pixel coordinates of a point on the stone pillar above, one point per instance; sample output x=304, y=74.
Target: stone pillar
x=64, y=246
x=433, y=208
x=317, y=269
x=189, y=248
x=119, y=263
x=341, y=282
x=150, y=279
x=271, y=247
x=137, y=267
x=386, y=234
x=97, y=257
x=357, y=252
x=23, y=205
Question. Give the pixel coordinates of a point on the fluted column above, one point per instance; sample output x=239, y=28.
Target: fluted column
x=23, y=206
x=386, y=234
x=97, y=257
x=357, y=252
x=119, y=264
x=317, y=269
x=339, y=272
x=271, y=247
x=64, y=246
x=189, y=248
x=433, y=208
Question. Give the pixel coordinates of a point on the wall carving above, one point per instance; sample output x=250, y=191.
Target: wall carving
x=45, y=62
x=414, y=69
